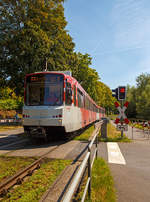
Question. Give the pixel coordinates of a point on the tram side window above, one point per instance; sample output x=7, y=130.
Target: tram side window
x=86, y=102
x=68, y=94
x=74, y=95
x=80, y=99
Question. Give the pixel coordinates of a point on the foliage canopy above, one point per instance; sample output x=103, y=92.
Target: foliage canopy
x=138, y=97
x=33, y=32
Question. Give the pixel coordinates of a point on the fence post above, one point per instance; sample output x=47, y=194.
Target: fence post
x=132, y=132
x=89, y=173
x=104, y=129
x=96, y=146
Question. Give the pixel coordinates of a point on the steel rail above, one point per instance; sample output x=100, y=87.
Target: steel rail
x=18, y=177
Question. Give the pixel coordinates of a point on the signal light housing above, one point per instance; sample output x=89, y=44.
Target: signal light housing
x=115, y=93
x=121, y=93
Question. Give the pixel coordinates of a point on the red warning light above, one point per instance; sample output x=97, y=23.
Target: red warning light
x=122, y=90
x=121, y=93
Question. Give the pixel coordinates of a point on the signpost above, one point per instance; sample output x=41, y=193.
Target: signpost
x=121, y=120
x=121, y=127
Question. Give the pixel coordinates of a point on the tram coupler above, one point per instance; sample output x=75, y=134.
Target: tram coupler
x=38, y=132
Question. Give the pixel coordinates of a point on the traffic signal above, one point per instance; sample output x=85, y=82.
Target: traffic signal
x=115, y=93
x=121, y=93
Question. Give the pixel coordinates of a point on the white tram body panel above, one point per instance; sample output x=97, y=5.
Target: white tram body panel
x=42, y=116
x=68, y=117
x=72, y=118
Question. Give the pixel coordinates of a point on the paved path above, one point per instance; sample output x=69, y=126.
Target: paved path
x=132, y=180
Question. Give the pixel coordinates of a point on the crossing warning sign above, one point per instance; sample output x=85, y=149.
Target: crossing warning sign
x=121, y=117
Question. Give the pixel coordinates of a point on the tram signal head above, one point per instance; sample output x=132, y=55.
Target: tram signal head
x=115, y=93
x=121, y=93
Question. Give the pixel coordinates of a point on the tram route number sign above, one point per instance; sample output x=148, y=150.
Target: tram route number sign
x=121, y=127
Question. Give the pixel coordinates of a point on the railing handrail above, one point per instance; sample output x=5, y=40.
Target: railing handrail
x=81, y=169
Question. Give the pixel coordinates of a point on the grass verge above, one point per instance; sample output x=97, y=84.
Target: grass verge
x=10, y=165
x=5, y=128
x=112, y=116
x=34, y=187
x=86, y=134
x=113, y=135
x=102, y=184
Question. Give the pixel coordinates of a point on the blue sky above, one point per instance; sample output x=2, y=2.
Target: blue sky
x=116, y=33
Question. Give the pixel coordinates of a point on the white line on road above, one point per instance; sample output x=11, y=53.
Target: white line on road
x=114, y=153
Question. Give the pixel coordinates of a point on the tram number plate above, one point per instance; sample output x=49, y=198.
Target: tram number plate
x=123, y=127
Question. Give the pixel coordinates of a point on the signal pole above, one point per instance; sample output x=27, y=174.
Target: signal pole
x=121, y=120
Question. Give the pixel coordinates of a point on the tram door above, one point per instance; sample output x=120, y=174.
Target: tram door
x=68, y=108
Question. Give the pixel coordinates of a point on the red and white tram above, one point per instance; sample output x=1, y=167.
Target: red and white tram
x=55, y=100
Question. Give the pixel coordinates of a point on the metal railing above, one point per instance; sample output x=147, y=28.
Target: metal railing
x=79, y=174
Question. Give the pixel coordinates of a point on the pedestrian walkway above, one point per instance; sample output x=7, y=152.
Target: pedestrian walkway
x=137, y=134
x=132, y=180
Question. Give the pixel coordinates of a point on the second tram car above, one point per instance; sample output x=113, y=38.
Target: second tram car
x=56, y=101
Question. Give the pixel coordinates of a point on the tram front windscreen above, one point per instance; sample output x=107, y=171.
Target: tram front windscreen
x=44, y=89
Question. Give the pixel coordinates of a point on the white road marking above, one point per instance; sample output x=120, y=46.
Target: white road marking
x=114, y=153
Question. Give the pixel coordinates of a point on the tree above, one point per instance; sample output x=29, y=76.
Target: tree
x=138, y=97
x=9, y=100
x=85, y=75
x=131, y=97
x=142, y=96
x=32, y=32
x=105, y=98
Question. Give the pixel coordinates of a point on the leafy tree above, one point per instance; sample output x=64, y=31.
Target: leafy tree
x=143, y=95
x=32, y=32
x=138, y=97
x=131, y=97
x=85, y=75
x=90, y=81
x=9, y=100
x=105, y=98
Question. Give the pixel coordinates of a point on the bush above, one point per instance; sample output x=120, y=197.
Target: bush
x=9, y=100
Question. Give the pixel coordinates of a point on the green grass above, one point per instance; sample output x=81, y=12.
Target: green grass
x=10, y=165
x=113, y=135
x=102, y=184
x=112, y=116
x=34, y=187
x=85, y=135
x=5, y=128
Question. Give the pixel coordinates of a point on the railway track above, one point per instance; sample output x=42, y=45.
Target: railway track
x=19, y=176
